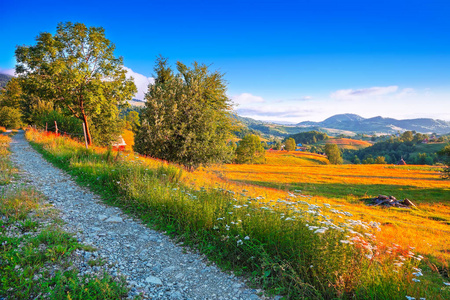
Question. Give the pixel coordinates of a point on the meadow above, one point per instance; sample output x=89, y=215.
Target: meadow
x=292, y=226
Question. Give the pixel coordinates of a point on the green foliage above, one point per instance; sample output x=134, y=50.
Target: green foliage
x=76, y=71
x=10, y=117
x=380, y=160
x=250, y=151
x=289, y=144
x=333, y=153
x=186, y=118
x=66, y=124
x=407, y=146
x=132, y=119
x=445, y=153
x=309, y=137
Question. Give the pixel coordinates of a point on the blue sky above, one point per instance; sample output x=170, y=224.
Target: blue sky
x=283, y=60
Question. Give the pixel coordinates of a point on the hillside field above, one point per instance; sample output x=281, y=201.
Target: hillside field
x=426, y=228
x=346, y=143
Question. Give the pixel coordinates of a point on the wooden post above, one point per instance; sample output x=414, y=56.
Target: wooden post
x=46, y=126
x=56, y=127
x=85, y=137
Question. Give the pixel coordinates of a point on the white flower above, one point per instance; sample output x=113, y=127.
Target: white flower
x=417, y=274
x=415, y=280
x=410, y=298
x=446, y=283
x=239, y=242
x=230, y=212
x=247, y=238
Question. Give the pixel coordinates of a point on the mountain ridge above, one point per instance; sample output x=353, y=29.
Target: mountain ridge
x=380, y=124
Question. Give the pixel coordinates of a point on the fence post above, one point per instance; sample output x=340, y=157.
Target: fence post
x=46, y=126
x=56, y=127
x=85, y=137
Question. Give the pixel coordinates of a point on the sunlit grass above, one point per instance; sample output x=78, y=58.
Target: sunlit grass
x=290, y=241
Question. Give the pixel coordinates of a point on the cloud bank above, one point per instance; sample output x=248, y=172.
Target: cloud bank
x=141, y=82
x=351, y=94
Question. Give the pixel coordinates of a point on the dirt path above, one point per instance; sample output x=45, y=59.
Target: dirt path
x=155, y=267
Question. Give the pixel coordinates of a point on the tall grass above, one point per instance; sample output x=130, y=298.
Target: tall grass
x=287, y=245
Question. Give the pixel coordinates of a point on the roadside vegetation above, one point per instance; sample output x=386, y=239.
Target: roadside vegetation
x=36, y=254
x=287, y=241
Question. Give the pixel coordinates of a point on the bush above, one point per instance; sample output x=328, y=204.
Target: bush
x=250, y=151
x=10, y=117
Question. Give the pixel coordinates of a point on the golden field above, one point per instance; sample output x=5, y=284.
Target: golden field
x=427, y=228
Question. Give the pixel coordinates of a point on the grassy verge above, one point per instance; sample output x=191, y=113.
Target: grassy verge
x=294, y=248
x=36, y=255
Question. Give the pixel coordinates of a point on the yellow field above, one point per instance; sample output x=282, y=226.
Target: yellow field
x=345, y=143
x=426, y=228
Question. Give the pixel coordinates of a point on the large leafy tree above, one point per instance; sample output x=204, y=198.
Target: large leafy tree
x=76, y=71
x=333, y=153
x=186, y=118
x=289, y=144
x=250, y=151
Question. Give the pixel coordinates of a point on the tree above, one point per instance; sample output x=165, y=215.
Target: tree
x=10, y=117
x=187, y=116
x=445, y=153
x=76, y=70
x=250, y=151
x=333, y=153
x=380, y=160
x=289, y=145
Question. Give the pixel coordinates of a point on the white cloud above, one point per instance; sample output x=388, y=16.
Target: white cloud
x=141, y=82
x=245, y=99
x=11, y=72
x=306, y=98
x=352, y=94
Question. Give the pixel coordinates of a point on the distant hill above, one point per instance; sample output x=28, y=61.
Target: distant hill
x=359, y=124
x=4, y=78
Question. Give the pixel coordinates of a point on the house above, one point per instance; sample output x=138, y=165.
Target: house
x=299, y=145
x=119, y=144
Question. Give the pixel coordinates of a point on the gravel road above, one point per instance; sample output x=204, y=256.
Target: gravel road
x=154, y=266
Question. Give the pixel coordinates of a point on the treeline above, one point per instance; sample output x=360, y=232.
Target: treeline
x=309, y=137
x=394, y=149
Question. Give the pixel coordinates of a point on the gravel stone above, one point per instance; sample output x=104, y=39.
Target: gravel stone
x=155, y=267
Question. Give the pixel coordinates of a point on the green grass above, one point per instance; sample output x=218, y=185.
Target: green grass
x=278, y=249
x=358, y=192
x=32, y=245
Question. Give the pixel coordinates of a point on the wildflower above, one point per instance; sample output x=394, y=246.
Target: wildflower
x=398, y=264
x=417, y=269
x=288, y=219
x=219, y=219
x=227, y=227
x=240, y=242
x=247, y=238
x=447, y=283
x=345, y=242
x=321, y=230
x=230, y=212
x=415, y=280
x=410, y=298
x=417, y=274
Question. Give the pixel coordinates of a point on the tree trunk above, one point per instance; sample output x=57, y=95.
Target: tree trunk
x=88, y=132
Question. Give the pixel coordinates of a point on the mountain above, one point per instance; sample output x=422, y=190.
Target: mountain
x=379, y=124
x=4, y=78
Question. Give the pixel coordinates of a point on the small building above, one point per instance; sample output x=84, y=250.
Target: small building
x=401, y=162
x=119, y=144
x=299, y=145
